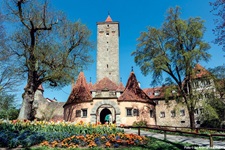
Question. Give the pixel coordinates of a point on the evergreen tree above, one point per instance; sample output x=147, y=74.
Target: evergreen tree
x=8, y=108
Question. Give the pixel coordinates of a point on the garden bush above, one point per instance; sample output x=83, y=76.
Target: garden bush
x=141, y=123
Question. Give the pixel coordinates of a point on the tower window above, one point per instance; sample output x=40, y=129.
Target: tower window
x=129, y=111
x=107, y=42
x=107, y=66
x=84, y=113
x=107, y=33
x=78, y=113
x=135, y=112
x=107, y=25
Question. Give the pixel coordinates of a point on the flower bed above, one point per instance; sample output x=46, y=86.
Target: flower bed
x=64, y=135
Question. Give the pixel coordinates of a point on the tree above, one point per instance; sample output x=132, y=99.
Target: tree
x=219, y=31
x=218, y=75
x=216, y=103
x=8, y=78
x=173, y=50
x=8, y=108
x=47, y=47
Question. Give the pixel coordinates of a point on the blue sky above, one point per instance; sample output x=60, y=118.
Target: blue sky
x=134, y=16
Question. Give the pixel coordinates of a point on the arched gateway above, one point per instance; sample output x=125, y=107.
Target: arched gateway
x=102, y=108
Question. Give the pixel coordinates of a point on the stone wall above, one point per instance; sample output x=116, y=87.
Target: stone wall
x=171, y=113
x=144, y=113
x=47, y=110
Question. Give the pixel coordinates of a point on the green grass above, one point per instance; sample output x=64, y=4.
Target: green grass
x=216, y=138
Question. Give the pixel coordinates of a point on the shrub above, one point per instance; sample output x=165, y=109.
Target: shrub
x=141, y=123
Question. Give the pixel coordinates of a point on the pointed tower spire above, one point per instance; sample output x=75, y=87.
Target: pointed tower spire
x=80, y=91
x=108, y=19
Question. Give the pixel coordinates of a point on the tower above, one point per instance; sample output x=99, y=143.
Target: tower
x=108, y=50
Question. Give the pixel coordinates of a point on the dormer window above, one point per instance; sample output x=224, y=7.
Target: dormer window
x=157, y=93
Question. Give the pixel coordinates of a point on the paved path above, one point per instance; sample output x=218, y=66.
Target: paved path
x=183, y=139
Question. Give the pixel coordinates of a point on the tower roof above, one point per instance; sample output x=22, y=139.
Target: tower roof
x=133, y=92
x=80, y=91
x=108, y=19
x=105, y=84
x=120, y=87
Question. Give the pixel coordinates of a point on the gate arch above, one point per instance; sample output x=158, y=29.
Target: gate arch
x=105, y=102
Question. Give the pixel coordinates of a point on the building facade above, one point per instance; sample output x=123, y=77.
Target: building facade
x=92, y=103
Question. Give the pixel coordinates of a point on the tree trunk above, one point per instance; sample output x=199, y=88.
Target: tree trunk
x=192, y=119
x=27, y=111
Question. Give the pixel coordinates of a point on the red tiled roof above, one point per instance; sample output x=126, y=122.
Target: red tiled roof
x=40, y=87
x=90, y=85
x=200, y=71
x=108, y=19
x=105, y=84
x=151, y=92
x=120, y=87
x=133, y=92
x=80, y=91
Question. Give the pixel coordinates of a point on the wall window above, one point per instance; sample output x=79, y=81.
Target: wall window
x=129, y=111
x=196, y=111
x=156, y=102
x=132, y=112
x=196, y=84
x=182, y=122
x=182, y=112
x=84, y=112
x=107, y=33
x=78, y=113
x=173, y=113
x=135, y=112
x=162, y=114
x=151, y=113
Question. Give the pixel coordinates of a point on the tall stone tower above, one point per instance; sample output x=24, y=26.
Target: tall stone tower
x=108, y=50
